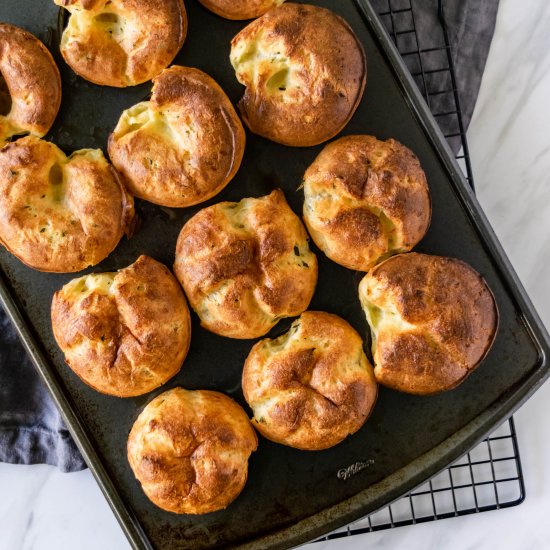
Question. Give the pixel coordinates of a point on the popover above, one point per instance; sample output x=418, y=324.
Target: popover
x=304, y=71
x=432, y=321
x=311, y=387
x=184, y=145
x=60, y=213
x=190, y=450
x=365, y=199
x=245, y=265
x=123, y=333
x=122, y=42
x=30, y=85
x=240, y=9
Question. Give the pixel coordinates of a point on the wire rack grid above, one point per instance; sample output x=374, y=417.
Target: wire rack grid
x=489, y=477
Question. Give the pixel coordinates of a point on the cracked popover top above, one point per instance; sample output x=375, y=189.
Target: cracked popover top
x=432, y=320
x=122, y=42
x=190, y=450
x=60, y=213
x=123, y=333
x=245, y=265
x=30, y=85
x=312, y=386
x=365, y=199
x=184, y=145
x=304, y=73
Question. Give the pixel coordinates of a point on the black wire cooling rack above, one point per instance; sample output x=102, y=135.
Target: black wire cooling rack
x=489, y=477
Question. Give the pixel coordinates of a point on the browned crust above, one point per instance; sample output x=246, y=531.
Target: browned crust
x=327, y=74
x=127, y=341
x=366, y=199
x=190, y=450
x=153, y=31
x=246, y=265
x=66, y=225
x=311, y=387
x=33, y=81
x=190, y=148
x=442, y=320
x=84, y=4
x=240, y=9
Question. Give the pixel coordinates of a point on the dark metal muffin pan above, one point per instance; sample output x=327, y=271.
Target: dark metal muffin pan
x=291, y=496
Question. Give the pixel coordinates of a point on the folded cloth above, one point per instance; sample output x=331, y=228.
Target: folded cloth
x=470, y=25
x=31, y=429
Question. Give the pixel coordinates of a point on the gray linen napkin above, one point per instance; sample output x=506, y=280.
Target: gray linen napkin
x=31, y=429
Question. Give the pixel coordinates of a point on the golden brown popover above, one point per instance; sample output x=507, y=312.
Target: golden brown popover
x=245, y=265
x=365, y=199
x=190, y=450
x=30, y=85
x=60, y=213
x=184, y=145
x=122, y=42
x=432, y=320
x=123, y=333
x=240, y=9
x=304, y=71
x=311, y=387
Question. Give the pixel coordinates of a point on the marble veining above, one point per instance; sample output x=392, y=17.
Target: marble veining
x=42, y=509
x=510, y=143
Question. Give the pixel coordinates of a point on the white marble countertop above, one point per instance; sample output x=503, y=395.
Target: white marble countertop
x=42, y=509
